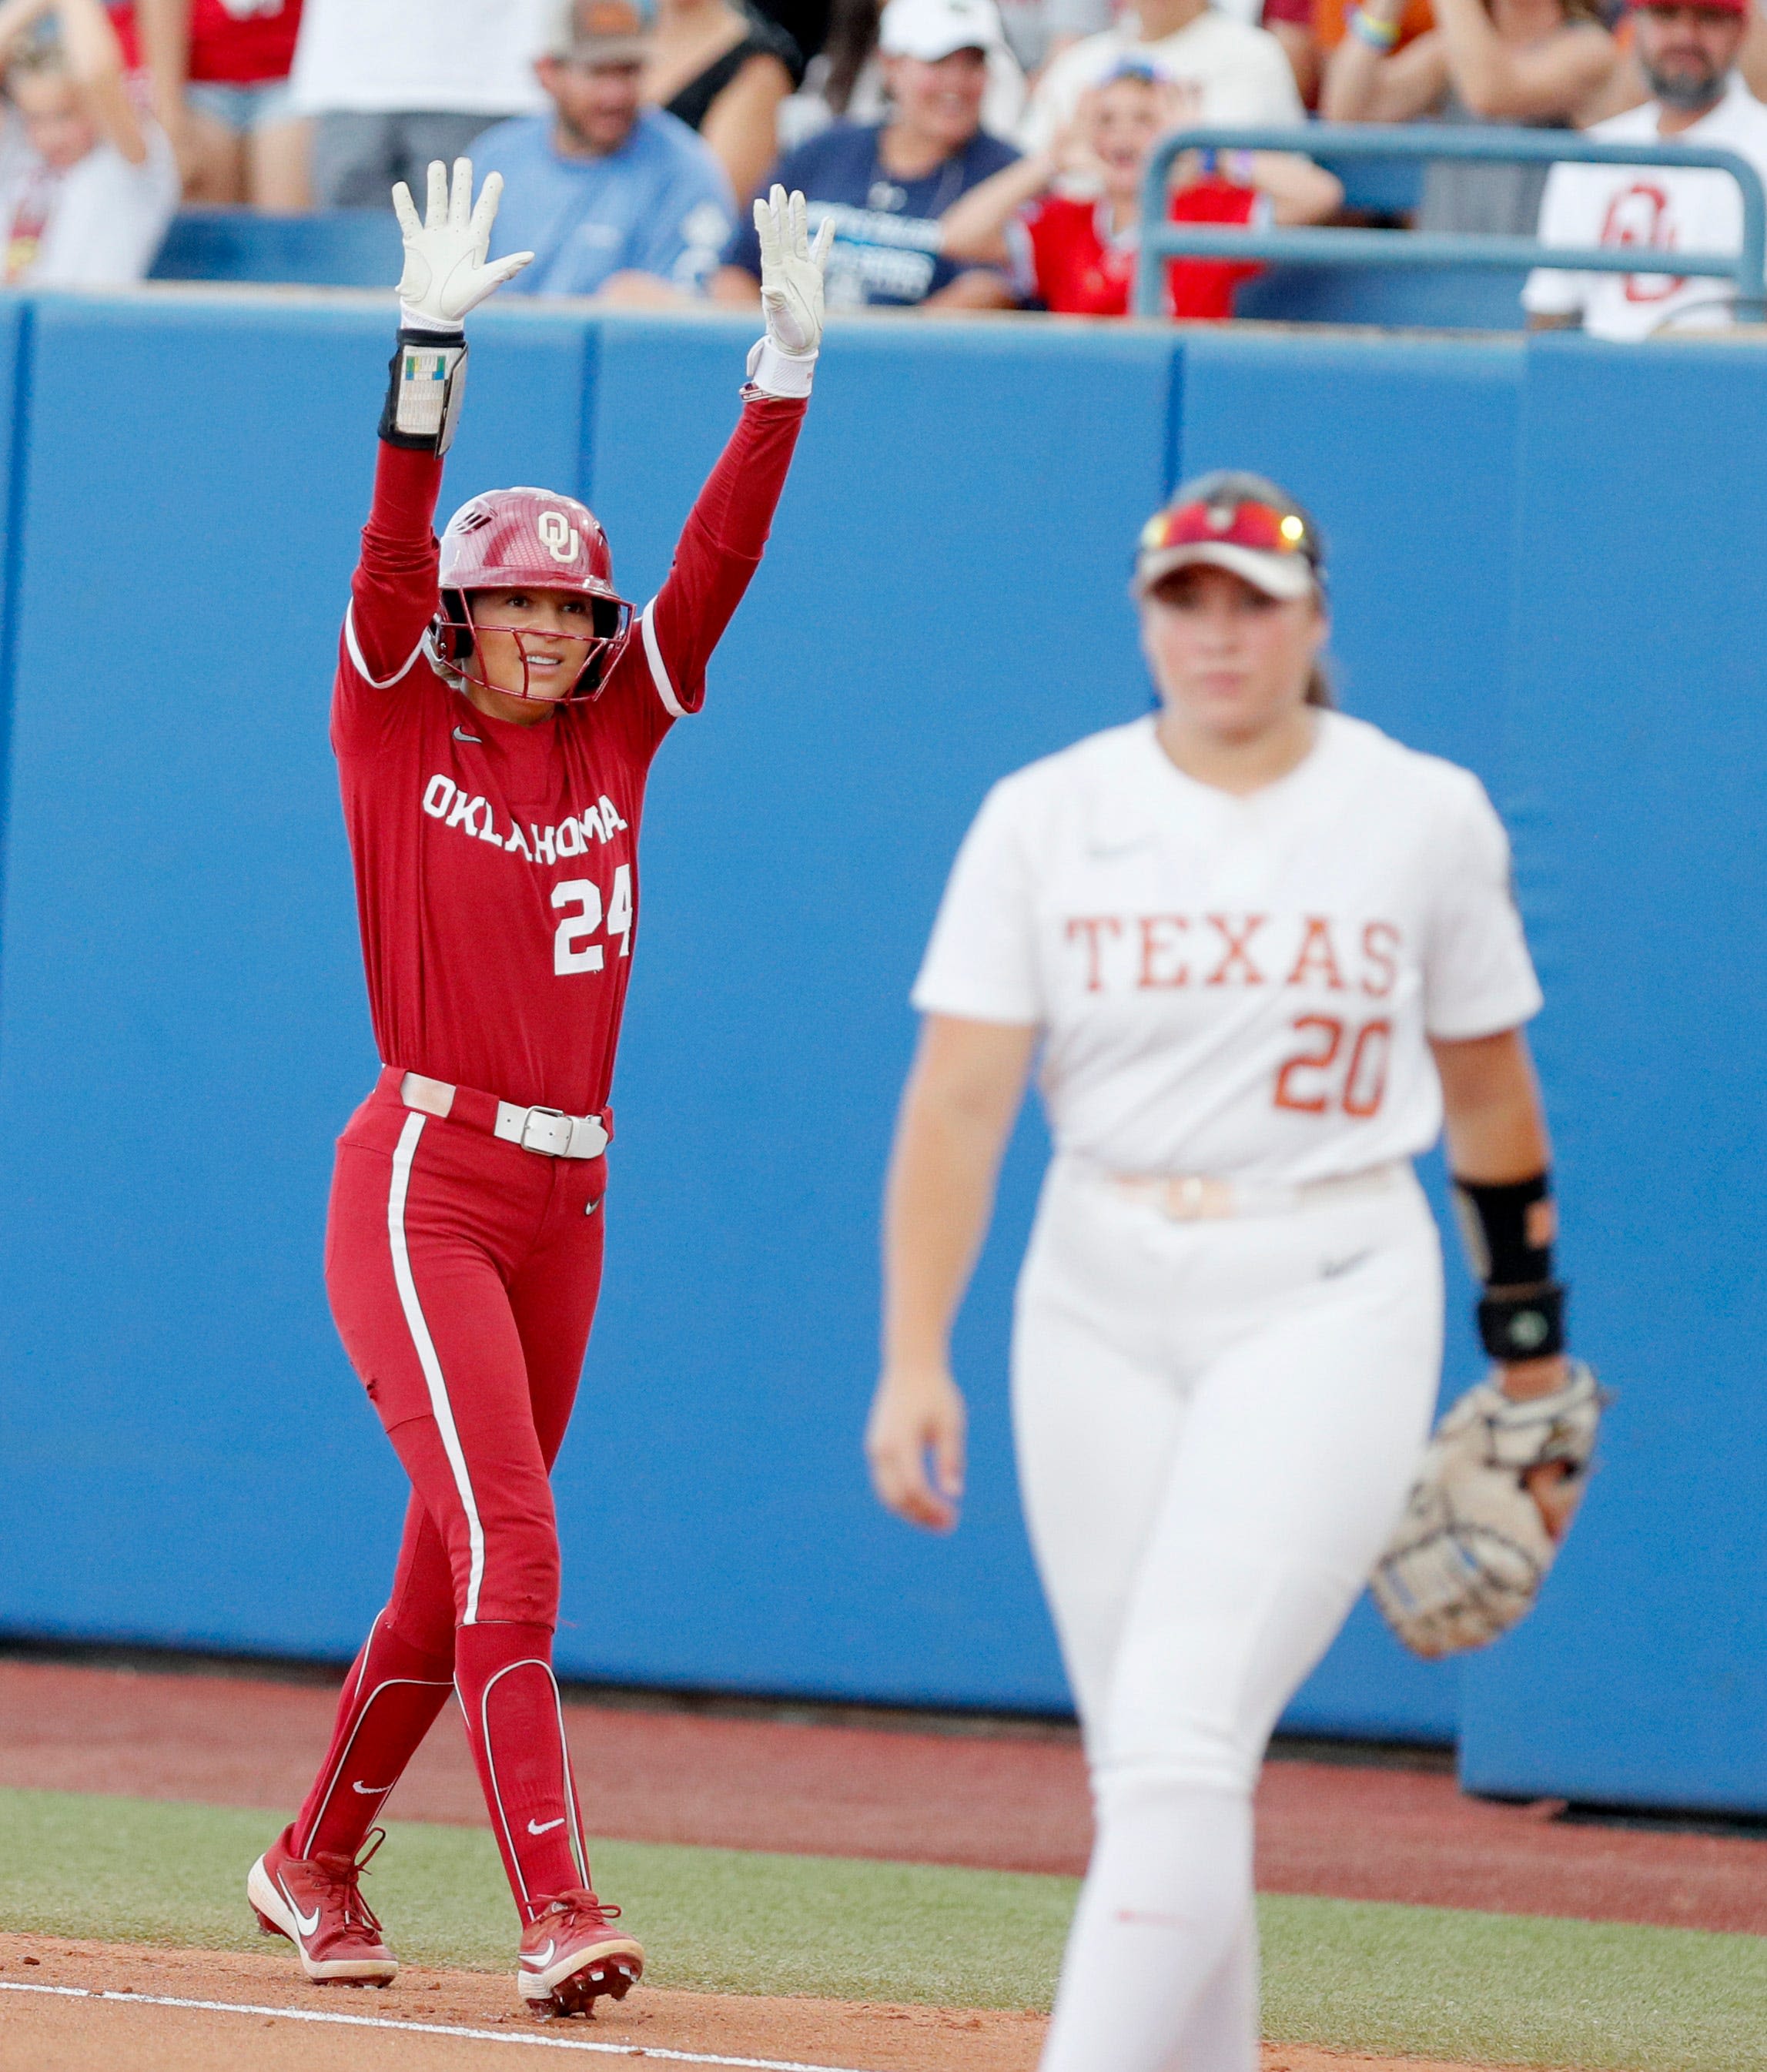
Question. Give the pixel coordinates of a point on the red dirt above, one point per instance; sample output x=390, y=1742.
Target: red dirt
x=45, y=2034
x=1012, y=1803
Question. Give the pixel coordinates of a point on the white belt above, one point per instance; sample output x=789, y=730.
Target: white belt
x=1190, y=1198
x=548, y=1130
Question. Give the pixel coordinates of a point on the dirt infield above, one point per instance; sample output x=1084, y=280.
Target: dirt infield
x=1005, y=1803
x=42, y=2031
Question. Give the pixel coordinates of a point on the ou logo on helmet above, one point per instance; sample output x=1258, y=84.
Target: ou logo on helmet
x=558, y=536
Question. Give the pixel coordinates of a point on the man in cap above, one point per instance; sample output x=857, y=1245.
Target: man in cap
x=884, y=186
x=1687, y=53
x=604, y=187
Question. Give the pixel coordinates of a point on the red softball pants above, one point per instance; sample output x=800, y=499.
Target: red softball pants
x=463, y=1273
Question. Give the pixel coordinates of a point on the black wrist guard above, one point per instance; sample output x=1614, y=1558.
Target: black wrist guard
x=1508, y=1230
x=1523, y=1323
x=428, y=373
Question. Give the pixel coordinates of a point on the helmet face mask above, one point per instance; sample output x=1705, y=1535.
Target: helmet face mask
x=458, y=631
x=526, y=539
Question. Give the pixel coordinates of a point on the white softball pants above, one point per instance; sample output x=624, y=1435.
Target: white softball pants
x=1217, y=1424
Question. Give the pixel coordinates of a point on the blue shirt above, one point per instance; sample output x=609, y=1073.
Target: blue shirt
x=661, y=204
x=886, y=231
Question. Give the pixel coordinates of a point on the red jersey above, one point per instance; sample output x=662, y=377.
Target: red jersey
x=240, y=42
x=496, y=864
x=1074, y=266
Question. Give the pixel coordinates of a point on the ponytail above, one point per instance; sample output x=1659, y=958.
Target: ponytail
x=1320, y=691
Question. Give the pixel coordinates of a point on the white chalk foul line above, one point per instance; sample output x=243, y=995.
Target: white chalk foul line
x=422, y=2027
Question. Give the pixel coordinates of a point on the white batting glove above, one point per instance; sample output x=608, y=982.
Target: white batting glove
x=445, y=273
x=791, y=270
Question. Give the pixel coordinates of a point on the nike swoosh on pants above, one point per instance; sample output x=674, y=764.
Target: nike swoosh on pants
x=544, y=1826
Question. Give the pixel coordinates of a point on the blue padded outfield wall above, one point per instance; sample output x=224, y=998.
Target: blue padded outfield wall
x=1548, y=565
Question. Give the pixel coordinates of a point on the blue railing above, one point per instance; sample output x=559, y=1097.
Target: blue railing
x=1162, y=240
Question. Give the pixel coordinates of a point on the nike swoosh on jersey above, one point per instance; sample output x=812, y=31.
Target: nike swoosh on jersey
x=544, y=1826
x=1334, y=1269
x=541, y=1959
x=462, y=735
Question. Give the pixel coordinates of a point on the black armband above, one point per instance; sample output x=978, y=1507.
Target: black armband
x=1508, y=1230
x=427, y=380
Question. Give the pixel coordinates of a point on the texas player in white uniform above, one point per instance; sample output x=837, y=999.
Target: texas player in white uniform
x=1261, y=947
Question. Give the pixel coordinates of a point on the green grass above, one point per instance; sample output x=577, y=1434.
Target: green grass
x=1489, y=1988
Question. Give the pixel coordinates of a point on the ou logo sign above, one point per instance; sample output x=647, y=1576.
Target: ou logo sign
x=558, y=536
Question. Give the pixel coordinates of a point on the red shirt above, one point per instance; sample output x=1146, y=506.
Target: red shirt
x=497, y=865
x=1078, y=269
x=240, y=42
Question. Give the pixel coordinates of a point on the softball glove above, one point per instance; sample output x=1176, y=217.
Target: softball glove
x=1466, y=1561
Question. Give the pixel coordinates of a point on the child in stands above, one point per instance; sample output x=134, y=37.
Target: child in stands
x=1065, y=222
x=87, y=183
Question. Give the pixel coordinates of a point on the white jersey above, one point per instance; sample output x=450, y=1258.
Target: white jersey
x=1663, y=208
x=1233, y=71
x=1236, y=986
x=458, y=57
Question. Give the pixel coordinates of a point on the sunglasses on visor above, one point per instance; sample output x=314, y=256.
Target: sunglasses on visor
x=1262, y=527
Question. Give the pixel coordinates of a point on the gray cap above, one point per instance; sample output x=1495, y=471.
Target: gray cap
x=600, y=31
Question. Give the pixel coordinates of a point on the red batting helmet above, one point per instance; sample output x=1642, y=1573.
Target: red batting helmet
x=521, y=539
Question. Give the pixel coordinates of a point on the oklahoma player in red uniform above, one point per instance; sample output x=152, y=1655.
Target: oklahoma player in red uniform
x=495, y=712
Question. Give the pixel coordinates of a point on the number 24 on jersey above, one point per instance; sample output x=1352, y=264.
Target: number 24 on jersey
x=579, y=901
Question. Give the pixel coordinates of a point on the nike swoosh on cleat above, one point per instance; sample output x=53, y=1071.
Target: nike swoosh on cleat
x=370, y=1790
x=301, y=1920
x=541, y=1957
x=544, y=1826
x=462, y=735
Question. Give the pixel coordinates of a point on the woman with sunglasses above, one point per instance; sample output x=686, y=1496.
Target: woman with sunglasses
x=1260, y=947
x=495, y=715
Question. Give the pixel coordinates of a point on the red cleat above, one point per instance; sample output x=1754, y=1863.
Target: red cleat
x=571, y=1955
x=318, y=1903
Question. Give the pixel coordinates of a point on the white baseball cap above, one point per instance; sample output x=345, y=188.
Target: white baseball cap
x=930, y=30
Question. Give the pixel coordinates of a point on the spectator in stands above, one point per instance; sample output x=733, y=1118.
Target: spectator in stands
x=886, y=184
x=1291, y=23
x=847, y=82
x=1330, y=24
x=87, y=183
x=1687, y=53
x=723, y=69
x=602, y=188
x=1547, y=63
x=221, y=87
x=1075, y=251
x=397, y=83
x=1234, y=71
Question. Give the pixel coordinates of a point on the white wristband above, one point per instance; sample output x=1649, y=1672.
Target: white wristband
x=414, y=319
x=777, y=373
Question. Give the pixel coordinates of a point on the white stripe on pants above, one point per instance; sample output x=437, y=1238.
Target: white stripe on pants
x=1217, y=1423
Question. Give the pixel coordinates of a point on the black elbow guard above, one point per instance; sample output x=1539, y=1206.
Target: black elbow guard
x=1508, y=1230
x=427, y=380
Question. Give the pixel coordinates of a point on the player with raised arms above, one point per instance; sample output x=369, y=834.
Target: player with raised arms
x=1261, y=947
x=494, y=714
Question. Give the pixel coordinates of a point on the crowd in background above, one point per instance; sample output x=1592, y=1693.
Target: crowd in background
x=971, y=154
